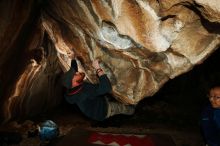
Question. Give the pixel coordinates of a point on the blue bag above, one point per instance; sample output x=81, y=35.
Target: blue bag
x=48, y=131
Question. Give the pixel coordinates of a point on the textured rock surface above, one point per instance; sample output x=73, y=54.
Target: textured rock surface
x=141, y=44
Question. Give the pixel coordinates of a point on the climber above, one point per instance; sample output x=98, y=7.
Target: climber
x=210, y=121
x=90, y=98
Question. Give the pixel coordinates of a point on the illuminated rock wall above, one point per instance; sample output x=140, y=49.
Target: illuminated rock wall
x=141, y=44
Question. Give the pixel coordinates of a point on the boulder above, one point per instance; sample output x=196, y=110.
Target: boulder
x=141, y=45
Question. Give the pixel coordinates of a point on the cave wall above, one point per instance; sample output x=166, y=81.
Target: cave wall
x=29, y=67
x=141, y=44
x=150, y=41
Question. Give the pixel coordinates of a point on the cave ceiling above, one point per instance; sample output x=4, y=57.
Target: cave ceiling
x=142, y=44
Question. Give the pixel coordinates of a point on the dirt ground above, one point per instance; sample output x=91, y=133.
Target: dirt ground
x=158, y=118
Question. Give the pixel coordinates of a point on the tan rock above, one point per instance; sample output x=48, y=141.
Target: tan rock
x=210, y=9
x=142, y=44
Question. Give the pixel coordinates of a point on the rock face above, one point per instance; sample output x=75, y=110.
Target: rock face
x=141, y=44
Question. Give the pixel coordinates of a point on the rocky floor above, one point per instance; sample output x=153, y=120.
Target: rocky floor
x=183, y=128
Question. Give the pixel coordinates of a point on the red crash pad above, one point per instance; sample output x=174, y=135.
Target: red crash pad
x=82, y=137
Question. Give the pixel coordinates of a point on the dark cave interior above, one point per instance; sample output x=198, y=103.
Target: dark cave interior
x=177, y=105
x=180, y=101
